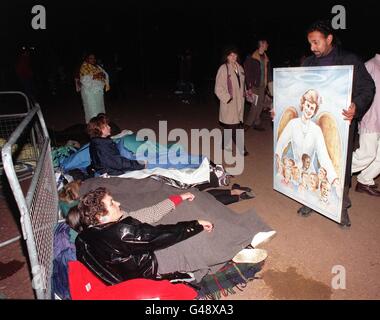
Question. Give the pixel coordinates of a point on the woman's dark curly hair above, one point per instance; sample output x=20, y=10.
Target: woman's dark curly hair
x=96, y=124
x=89, y=209
x=227, y=51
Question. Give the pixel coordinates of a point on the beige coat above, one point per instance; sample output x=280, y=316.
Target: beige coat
x=233, y=112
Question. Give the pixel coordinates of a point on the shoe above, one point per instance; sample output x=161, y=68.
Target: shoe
x=258, y=128
x=345, y=220
x=262, y=237
x=177, y=277
x=305, y=211
x=364, y=188
x=238, y=187
x=247, y=195
x=250, y=256
x=222, y=175
x=246, y=153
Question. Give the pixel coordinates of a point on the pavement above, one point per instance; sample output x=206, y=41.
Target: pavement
x=310, y=258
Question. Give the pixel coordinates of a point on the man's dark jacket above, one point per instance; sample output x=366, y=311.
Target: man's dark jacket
x=363, y=91
x=252, y=72
x=106, y=158
x=124, y=250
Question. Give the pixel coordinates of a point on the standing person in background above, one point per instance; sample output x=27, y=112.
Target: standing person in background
x=367, y=158
x=257, y=71
x=229, y=88
x=93, y=80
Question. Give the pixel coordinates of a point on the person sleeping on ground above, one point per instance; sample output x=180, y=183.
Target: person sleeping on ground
x=203, y=253
x=69, y=195
x=105, y=157
x=110, y=158
x=118, y=247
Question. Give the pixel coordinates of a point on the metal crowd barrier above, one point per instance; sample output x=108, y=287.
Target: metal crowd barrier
x=39, y=206
x=25, y=152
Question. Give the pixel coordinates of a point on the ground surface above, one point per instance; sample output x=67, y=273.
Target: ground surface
x=301, y=256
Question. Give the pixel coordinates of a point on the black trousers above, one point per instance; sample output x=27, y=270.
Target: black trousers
x=233, y=127
x=224, y=196
x=214, y=183
x=347, y=179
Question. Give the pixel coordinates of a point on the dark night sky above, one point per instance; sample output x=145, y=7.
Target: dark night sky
x=150, y=34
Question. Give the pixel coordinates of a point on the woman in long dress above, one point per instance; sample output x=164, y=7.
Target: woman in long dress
x=93, y=80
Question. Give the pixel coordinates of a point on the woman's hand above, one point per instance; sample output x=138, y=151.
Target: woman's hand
x=187, y=196
x=208, y=226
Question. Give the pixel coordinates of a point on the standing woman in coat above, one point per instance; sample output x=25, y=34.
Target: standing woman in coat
x=229, y=88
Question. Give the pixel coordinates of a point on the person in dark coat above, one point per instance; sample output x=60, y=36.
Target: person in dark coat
x=104, y=154
x=116, y=246
x=328, y=52
x=258, y=74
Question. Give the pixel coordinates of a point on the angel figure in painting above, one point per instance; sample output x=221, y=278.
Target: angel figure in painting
x=319, y=139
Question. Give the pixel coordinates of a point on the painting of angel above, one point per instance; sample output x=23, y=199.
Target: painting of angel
x=310, y=135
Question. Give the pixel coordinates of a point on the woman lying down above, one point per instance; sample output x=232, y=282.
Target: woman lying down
x=118, y=246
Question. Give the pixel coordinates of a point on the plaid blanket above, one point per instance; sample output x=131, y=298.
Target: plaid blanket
x=231, y=278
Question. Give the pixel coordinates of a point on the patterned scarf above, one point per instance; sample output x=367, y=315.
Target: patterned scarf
x=229, y=82
x=87, y=69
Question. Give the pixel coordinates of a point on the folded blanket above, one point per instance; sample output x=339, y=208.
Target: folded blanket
x=204, y=253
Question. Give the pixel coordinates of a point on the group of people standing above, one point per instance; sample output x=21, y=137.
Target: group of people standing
x=234, y=83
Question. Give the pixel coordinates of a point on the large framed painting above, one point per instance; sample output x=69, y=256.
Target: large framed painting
x=311, y=135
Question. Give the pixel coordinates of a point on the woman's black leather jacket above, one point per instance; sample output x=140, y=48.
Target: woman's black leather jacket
x=124, y=250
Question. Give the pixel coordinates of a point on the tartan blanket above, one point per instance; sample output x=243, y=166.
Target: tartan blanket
x=231, y=278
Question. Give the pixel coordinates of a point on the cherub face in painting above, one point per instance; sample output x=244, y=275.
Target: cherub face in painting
x=313, y=182
x=295, y=173
x=287, y=162
x=325, y=190
x=287, y=174
x=322, y=174
x=306, y=163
